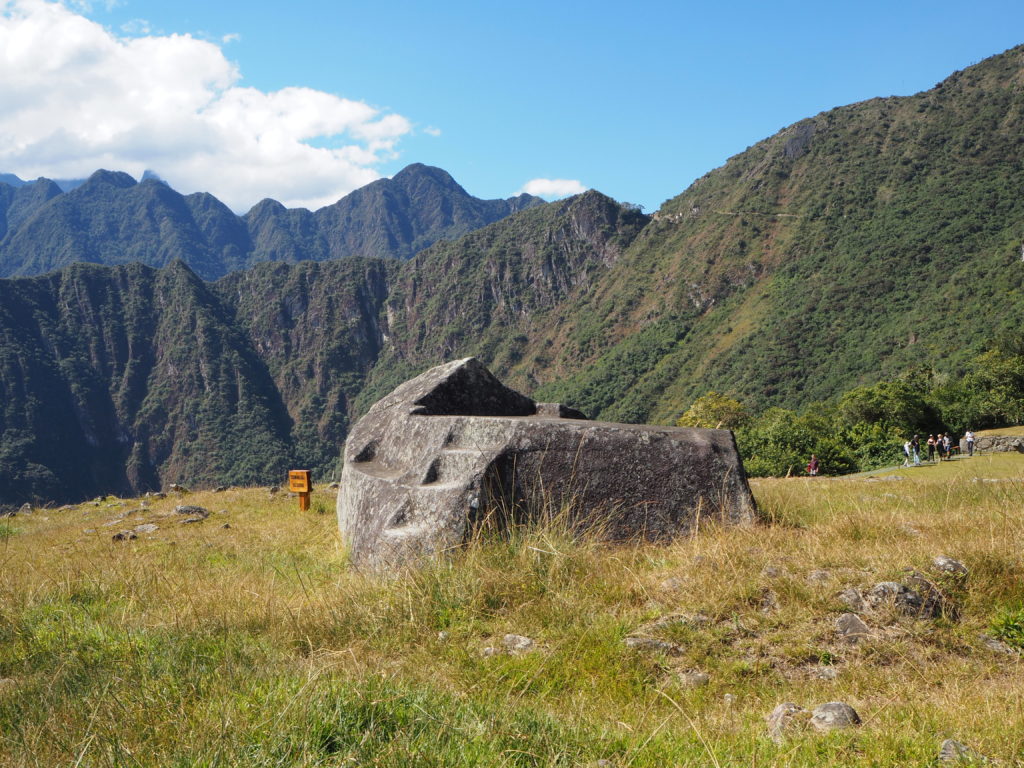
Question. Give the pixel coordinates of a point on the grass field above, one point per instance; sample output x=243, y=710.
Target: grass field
x=245, y=640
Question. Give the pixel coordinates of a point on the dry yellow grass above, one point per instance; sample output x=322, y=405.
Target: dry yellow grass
x=255, y=644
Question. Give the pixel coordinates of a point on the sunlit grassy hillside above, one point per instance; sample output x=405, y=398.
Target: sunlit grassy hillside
x=245, y=640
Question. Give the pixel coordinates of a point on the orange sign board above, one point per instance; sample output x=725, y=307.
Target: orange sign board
x=300, y=481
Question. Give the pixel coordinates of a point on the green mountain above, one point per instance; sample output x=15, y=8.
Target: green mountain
x=128, y=378
x=111, y=219
x=851, y=247
x=865, y=241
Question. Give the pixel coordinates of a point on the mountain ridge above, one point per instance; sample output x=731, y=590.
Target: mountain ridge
x=869, y=242
x=112, y=219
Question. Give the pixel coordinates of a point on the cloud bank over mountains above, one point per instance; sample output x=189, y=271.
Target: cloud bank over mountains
x=77, y=97
x=553, y=188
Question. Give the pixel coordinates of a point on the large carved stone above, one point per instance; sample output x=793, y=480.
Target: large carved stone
x=454, y=448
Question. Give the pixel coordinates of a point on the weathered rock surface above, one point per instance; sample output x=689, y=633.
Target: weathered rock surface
x=900, y=596
x=952, y=752
x=851, y=628
x=834, y=715
x=694, y=678
x=651, y=645
x=782, y=718
x=192, y=511
x=947, y=564
x=454, y=448
x=995, y=444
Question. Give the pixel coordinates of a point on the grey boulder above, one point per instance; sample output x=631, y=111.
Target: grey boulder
x=834, y=715
x=454, y=449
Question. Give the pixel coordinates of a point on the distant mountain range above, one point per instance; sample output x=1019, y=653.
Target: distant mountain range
x=111, y=219
x=869, y=241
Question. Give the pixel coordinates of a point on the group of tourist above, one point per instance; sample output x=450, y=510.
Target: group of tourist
x=940, y=447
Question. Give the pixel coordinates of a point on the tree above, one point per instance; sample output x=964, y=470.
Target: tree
x=714, y=411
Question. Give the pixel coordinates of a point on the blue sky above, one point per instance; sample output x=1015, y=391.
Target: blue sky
x=634, y=101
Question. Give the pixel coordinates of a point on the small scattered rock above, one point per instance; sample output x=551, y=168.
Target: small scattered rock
x=652, y=645
x=89, y=530
x=823, y=673
x=175, y=488
x=511, y=645
x=729, y=699
x=146, y=528
x=671, y=584
x=782, y=718
x=442, y=636
x=949, y=565
x=125, y=536
x=834, y=715
x=994, y=644
x=274, y=489
x=226, y=525
x=157, y=495
x=769, y=601
x=190, y=509
x=694, y=678
x=819, y=577
x=955, y=753
x=188, y=520
x=851, y=628
x=25, y=509
x=853, y=600
x=772, y=572
x=911, y=530
x=516, y=644
x=220, y=489
x=901, y=597
x=334, y=485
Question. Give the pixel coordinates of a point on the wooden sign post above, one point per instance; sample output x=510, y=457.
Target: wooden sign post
x=300, y=481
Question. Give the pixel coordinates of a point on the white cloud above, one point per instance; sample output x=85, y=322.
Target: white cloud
x=432, y=131
x=77, y=97
x=553, y=188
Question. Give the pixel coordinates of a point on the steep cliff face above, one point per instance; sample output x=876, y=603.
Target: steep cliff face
x=496, y=292
x=318, y=329
x=119, y=379
x=128, y=378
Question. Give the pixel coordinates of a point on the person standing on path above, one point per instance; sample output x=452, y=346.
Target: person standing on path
x=969, y=437
x=931, y=447
x=906, y=454
x=915, y=445
x=947, y=446
x=812, y=466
